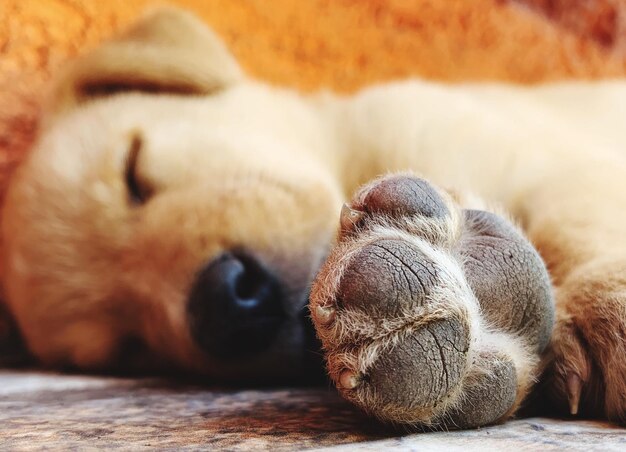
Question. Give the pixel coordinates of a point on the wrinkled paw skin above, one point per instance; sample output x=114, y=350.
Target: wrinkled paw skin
x=429, y=314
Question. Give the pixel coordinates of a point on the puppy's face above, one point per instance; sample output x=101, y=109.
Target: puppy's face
x=183, y=210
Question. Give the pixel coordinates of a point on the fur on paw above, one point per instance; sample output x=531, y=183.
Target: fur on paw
x=586, y=375
x=430, y=314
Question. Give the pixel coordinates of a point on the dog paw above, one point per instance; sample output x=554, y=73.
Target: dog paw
x=587, y=372
x=430, y=314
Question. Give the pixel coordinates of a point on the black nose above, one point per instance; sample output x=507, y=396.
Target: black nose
x=235, y=307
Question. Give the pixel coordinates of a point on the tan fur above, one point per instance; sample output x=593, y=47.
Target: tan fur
x=233, y=162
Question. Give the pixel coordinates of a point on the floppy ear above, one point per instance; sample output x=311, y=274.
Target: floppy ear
x=169, y=50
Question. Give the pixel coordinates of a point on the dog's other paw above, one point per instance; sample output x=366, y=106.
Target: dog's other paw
x=430, y=314
x=587, y=373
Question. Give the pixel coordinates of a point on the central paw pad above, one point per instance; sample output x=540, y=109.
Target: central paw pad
x=430, y=314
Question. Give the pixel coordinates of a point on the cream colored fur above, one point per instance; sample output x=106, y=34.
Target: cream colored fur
x=231, y=161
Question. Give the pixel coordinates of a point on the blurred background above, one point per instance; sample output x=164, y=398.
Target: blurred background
x=311, y=44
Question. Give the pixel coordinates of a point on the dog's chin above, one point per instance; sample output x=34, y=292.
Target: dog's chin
x=294, y=357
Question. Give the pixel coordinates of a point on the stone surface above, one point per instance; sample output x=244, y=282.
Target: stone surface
x=40, y=410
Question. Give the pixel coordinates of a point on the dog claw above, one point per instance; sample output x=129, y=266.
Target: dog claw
x=349, y=217
x=324, y=314
x=348, y=380
x=574, y=387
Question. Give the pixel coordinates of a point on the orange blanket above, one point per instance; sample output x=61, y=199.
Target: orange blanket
x=343, y=44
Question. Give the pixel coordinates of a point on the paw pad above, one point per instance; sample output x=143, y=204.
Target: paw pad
x=386, y=276
x=408, y=299
x=401, y=196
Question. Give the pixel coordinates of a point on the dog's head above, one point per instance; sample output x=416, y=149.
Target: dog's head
x=171, y=203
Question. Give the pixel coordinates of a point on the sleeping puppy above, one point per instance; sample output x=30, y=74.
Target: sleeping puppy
x=175, y=212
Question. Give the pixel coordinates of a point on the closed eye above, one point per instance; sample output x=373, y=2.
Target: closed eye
x=138, y=191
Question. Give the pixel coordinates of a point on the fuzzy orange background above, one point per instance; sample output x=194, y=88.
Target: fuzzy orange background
x=343, y=44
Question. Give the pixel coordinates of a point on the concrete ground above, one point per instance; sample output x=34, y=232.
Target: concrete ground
x=49, y=411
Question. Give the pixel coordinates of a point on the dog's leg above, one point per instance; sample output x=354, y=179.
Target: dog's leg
x=429, y=313
x=569, y=199
x=583, y=239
